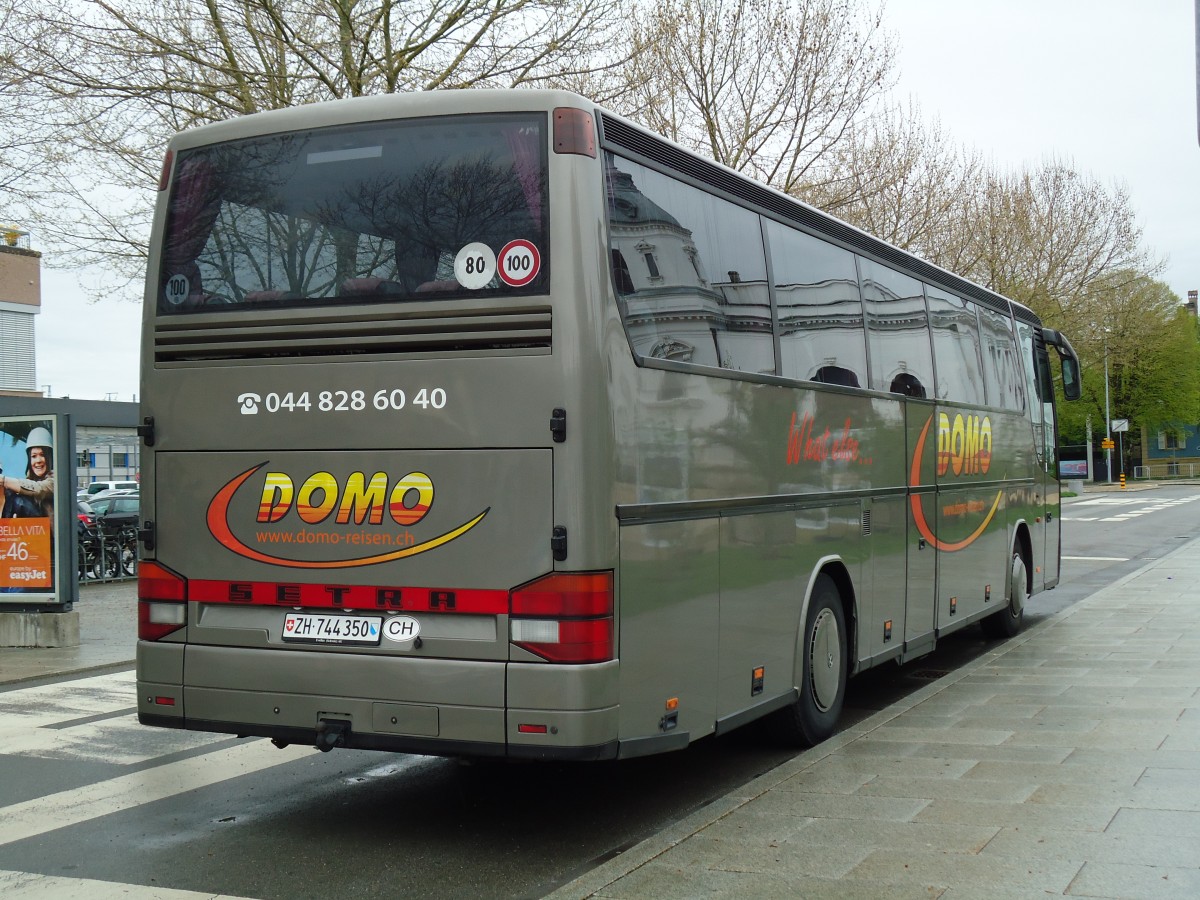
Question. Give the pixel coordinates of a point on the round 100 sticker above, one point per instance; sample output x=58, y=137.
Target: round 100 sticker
x=519, y=262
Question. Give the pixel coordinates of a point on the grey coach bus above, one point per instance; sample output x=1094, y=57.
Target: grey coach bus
x=488, y=423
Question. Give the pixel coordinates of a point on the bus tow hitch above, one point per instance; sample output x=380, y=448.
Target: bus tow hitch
x=331, y=733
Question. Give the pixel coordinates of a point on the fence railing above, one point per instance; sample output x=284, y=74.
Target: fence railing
x=104, y=557
x=1164, y=471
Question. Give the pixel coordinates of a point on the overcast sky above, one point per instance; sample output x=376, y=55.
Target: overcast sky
x=1108, y=84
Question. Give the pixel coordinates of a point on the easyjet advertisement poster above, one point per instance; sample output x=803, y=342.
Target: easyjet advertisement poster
x=27, y=538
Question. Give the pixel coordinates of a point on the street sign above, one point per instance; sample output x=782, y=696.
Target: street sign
x=1120, y=425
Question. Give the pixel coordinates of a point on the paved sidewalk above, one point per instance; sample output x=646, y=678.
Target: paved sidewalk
x=1066, y=762
x=107, y=632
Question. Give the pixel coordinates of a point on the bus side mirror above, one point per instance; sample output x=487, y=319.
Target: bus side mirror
x=1070, y=373
x=1072, y=386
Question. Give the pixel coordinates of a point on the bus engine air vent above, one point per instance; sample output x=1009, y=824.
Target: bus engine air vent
x=866, y=523
x=520, y=331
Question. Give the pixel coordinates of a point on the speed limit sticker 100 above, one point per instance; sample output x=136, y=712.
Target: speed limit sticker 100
x=519, y=263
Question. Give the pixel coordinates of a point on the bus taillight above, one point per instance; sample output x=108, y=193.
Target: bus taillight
x=162, y=601
x=164, y=177
x=565, y=618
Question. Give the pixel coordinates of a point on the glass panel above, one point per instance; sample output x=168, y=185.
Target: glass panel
x=389, y=211
x=955, y=347
x=1005, y=382
x=690, y=270
x=898, y=331
x=1037, y=409
x=820, y=314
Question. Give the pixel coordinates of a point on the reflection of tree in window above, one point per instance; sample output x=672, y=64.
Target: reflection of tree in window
x=439, y=209
x=304, y=215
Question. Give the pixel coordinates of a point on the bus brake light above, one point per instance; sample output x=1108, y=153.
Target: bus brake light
x=162, y=601
x=565, y=618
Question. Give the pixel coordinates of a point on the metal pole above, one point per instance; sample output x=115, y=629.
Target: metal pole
x=1107, y=414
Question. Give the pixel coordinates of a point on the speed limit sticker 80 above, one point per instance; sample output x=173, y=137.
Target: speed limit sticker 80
x=519, y=263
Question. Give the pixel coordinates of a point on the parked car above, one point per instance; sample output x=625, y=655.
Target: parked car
x=86, y=514
x=116, y=511
x=97, y=486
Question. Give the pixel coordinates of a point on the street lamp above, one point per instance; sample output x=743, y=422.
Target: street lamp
x=1107, y=412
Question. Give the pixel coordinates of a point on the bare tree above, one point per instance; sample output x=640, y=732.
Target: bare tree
x=111, y=80
x=900, y=177
x=767, y=87
x=1058, y=239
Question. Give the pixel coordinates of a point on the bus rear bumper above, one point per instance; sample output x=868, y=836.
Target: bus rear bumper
x=429, y=706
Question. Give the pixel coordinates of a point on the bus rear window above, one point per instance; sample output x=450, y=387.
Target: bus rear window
x=401, y=210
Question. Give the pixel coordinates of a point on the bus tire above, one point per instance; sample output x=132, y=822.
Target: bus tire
x=813, y=717
x=1007, y=622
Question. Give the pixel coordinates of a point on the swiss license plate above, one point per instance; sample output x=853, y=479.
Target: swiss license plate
x=315, y=628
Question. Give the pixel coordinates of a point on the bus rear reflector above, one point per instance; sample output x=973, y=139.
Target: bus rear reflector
x=162, y=601
x=565, y=618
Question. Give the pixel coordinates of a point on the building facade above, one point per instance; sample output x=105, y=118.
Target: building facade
x=20, y=303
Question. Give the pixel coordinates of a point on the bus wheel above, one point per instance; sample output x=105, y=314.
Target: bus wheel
x=1007, y=622
x=822, y=682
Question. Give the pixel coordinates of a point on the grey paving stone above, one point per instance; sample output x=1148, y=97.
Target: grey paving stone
x=901, y=732
x=835, y=806
x=911, y=868
x=975, y=752
x=1113, y=774
x=1100, y=879
x=1167, y=759
x=965, y=812
x=1140, y=796
x=949, y=789
x=1024, y=842
x=1157, y=821
x=937, y=767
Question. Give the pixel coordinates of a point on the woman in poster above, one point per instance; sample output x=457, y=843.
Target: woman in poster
x=33, y=495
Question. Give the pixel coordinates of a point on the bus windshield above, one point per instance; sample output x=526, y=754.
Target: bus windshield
x=376, y=211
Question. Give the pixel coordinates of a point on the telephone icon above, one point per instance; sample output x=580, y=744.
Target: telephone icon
x=249, y=403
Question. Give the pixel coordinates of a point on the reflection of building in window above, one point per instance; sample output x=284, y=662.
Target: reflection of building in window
x=671, y=309
x=647, y=251
x=955, y=329
x=815, y=319
x=833, y=374
x=669, y=348
x=897, y=330
x=908, y=385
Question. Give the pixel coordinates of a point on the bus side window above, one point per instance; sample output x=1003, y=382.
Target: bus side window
x=820, y=314
x=673, y=234
x=955, y=328
x=1005, y=383
x=897, y=329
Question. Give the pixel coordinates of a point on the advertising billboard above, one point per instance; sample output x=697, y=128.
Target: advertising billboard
x=35, y=548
